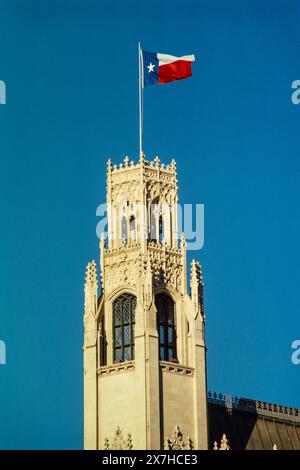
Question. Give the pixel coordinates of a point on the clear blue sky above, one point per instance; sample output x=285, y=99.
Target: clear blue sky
x=71, y=74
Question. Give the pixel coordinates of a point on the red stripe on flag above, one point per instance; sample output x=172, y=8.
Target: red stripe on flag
x=174, y=71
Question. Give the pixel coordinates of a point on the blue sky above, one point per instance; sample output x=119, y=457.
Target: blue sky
x=72, y=101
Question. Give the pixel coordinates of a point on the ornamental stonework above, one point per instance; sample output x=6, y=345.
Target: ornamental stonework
x=166, y=268
x=166, y=191
x=177, y=442
x=118, y=442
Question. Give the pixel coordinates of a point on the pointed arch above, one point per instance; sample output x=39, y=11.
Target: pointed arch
x=124, y=307
x=166, y=327
x=153, y=219
x=124, y=235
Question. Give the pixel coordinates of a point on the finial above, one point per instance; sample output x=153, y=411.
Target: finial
x=173, y=165
x=91, y=274
x=126, y=161
x=183, y=241
x=157, y=161
x=109, y=165
x=196, y=273
x=224, y=443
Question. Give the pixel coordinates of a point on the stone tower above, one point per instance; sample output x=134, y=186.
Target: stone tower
x=144, y=346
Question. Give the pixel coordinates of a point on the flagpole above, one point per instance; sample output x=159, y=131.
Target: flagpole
x=140, y=100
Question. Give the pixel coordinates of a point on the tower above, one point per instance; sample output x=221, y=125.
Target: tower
x=144, y=345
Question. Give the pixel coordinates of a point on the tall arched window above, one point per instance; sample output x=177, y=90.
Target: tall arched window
x=160, y=229
x=132, y=228
x=154, y=210
x=166, y=327
x=124, y=229
x=123, y=327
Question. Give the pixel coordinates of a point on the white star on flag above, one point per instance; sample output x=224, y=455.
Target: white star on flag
x=150, y=67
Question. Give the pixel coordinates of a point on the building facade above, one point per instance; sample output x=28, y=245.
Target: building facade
x=144, y=342
x=252, y=424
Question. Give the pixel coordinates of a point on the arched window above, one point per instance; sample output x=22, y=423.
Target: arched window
x=153, y=227
x=154, y=208
x=123, y=327
x=160, y=229
x=132, y=226
x=124, y=229
x=166, y=327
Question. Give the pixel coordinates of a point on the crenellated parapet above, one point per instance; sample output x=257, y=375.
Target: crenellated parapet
x=257, y=407
x=129, y=165
x=130, y=180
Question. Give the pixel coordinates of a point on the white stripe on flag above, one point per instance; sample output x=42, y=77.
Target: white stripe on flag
x=168, y=59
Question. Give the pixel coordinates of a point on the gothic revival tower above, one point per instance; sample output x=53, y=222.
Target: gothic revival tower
x=144, y=346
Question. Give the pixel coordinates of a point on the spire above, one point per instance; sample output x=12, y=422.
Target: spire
x=173, y=165
x=197, y=287
x=109, y=167
x=183, y=240
x=184, y=270
x=91, y=275
x=91, y=289
x=102, y=252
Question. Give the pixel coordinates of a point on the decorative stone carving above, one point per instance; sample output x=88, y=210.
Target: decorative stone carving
x=224, y=444
x=166, y=268
x=91, y=289
x=196, y=282
x=126, y=267
x=177, y=442
x=141, y=258
x=118, y=442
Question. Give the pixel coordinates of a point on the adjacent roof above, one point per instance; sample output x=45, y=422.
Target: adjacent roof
x=252, y=425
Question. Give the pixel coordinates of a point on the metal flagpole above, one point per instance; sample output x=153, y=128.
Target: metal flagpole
x=140, y=98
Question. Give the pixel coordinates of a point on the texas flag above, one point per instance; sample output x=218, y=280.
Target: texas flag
x=164, y=68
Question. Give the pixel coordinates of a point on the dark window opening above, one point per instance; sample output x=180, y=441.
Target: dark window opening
x=166, y=327
x=160, y=229
x=154, y=220
x=132, y=223
x=123, y=327
x=124, y=229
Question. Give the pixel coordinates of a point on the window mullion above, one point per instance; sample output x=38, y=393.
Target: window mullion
x=123, y=339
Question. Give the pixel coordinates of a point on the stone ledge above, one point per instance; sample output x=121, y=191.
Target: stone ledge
x=176, y=368
x=116, y=368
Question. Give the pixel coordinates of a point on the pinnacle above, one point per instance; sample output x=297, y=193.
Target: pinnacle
x=91, y=274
